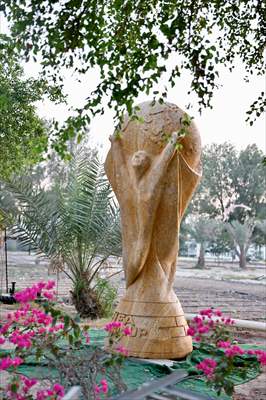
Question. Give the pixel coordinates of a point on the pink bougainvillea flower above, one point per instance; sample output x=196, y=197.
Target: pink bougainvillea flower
x=8, y=362
x=207, y=366
x=4, y=328
x=203, y=329
x=30, y=294
x=97, y=389
x=223, y=344
x=17, y=361
x=87, y=337
x=41, y=285
x=121, y=349
x=28, y=383
x=228, y=321
x=59, y=389
x=207, y=312
x=191, y=331
x=50, y=285
x=234, y=351
x=27, y=295
x=210, y=323
x=261, y=355
x=41, y=330
x=262, y=358
x=56, y=393
x=48, y=295
x=104, y=385
x=127, y=331
x=111, y=326
x=198, y=320
x=21, y=339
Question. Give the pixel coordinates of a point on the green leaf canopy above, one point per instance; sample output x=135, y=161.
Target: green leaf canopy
x=131, y=41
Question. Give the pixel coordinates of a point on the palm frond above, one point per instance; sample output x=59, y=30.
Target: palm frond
x=76, y=222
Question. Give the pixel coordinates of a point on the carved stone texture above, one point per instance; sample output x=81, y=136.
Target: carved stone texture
x=153, y=180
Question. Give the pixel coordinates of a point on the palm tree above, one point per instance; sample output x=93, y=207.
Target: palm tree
x=75, y=225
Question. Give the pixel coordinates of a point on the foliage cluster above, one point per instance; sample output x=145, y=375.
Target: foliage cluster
x=130, y=42
x=24, y=136
x=210, y=329
x=43, y=333
x=107, y=295
x=228, y=209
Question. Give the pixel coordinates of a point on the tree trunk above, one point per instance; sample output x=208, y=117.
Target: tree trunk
x=201, y=259
x=242, y=259
x=86, y=300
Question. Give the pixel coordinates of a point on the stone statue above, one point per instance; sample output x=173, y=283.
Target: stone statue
x=153, y=180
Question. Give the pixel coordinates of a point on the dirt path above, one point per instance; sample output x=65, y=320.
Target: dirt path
x=241, y=294
x=238, y=299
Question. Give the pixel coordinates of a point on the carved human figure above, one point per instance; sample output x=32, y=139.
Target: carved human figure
x=153, y=182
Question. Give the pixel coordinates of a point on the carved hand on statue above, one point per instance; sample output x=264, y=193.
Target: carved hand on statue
x=115, y=137
x=171, y=145
x=112, y=138
x=174, y=138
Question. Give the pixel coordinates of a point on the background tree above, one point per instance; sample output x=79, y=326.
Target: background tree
x=221, y=242
x=202, y=229
x=131, y=41
x=231, y=189
x=262, y=226
x=75, y=225
x=248, y=176
x=241, y=234
x=259, y=235
x=23, y=134
x=184, y=236
x=231, y=178
x=216, y=191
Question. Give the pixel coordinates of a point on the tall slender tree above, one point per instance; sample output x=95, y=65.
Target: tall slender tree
x=202, y=229
x=232, y=190
x=231, y=178
x=241, y=235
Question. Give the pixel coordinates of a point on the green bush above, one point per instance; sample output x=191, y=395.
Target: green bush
x=107, y=295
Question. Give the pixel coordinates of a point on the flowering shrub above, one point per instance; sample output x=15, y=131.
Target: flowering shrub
x=44, y=332
x=116, y=329
x=210, y=327
x=210, y=330
x=207, y=366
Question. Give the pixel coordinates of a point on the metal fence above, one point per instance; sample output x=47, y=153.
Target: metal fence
x=160, y=389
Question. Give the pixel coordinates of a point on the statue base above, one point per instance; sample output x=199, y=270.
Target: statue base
x=159, y=329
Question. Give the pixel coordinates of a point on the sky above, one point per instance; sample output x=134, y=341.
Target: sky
x=225, y=122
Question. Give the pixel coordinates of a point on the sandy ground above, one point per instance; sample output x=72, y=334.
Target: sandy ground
x=240, y=293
